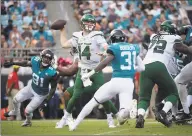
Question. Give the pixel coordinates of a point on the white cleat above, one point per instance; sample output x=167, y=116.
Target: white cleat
x=72, y=127
x=61, y=123
x=110, y=123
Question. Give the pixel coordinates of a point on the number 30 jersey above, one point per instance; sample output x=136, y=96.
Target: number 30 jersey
x=41, y=77
x=161, y=48
x=87, y=47
x=124, y=61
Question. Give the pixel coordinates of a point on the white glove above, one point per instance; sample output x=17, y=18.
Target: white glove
x=87, y=75
x=87, y=82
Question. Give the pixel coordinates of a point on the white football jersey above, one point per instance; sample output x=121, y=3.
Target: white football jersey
x=161, y=48
x=87, y=47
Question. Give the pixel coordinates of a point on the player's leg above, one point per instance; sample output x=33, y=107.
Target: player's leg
x=189, y=97
x=184, y=77
x=146, y=86
x=21, y=96
x=67, y=96
x=163, y=79
x=104, y=93
x=98, y=81
x=125, y=98
x=34, y=104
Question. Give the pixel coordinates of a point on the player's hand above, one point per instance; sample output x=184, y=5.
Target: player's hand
x=54, y=65
x=84, y=77
x=87, y=82
x=8, y=64
x=43, y=105
x=102, y=54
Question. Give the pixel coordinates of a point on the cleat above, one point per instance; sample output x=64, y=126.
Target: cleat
x=110, y=122
x=183, y=118
x=162, y=117
x=61, y=123
x=140, y=122
x=10, y=113
x=26, y=124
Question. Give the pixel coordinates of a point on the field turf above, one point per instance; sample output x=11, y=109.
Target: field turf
x=93, y=127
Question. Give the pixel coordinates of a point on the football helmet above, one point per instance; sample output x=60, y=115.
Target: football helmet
x=117, y=36
x=47, y=57
x=88, y=22
x=169, y=27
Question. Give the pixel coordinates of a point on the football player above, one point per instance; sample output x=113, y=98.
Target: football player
x=43, y=74
x=185, y=76
x=124, y=57
x=161, y=49
x=87, y=43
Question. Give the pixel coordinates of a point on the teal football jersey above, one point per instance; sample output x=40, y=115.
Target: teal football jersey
x=41, y=77
x=124, y=62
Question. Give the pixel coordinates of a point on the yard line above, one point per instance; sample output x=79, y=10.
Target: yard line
x=109, y=132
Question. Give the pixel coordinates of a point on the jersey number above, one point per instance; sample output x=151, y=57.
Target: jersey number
x=36, y=80
x=160, y=46
x=129, y=57
x=85, y=52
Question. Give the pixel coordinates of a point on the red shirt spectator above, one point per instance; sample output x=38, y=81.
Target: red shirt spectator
x=13, y=78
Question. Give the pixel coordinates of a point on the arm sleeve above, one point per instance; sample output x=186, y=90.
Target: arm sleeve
x=177, y=39
x=111, y=50
x=74, y=41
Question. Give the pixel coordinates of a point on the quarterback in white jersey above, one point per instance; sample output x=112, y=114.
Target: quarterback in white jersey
x=87, y=44
x=162, y=48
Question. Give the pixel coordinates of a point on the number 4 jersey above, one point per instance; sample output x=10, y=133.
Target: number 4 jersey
x=124, y=60
x=161, y=48
x=41, y=77
x=87, y=47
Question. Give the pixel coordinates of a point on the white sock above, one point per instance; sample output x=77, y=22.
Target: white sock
x=64, y=110
x=66, y=115
x=85, y=111
x=29, y=117
x=17, y=106
x=168, y=105
x=175, y=109
x=189, y=100
x=163, y=101
x=141, y=111
x=109, y=115
x=182, y=90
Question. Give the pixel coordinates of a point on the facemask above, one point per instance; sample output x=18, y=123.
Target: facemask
x=44, y=64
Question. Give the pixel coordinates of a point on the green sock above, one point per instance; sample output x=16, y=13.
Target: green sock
x=107, y=107
x=113, y=108
x=172, y=98
x=143, y=104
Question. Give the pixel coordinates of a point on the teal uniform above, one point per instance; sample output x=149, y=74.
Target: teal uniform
x=126, y=53
x=41, y=78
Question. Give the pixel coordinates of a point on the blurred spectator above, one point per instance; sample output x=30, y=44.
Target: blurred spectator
x=150, y=20
x=112, y=16
x=27, y=10
x=40, y=5
x=28, y=19
x=47, y=23
x=3, y=9
x=138, y=19
x=40, y=18
x=41, y=32
x=34, y=25
x=15, y=36
x=85, y=9
x=26, y=34
x=12, y=88
x=15, y=8
x=156, y=27
x=42, y=43
x=97, y=15
x=4, y=43
x=8, y=29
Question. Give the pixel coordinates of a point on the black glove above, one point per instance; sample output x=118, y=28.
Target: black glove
x=43, y=105
x=8, y=64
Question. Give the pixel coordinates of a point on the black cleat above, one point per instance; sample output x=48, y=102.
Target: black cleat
x=26, y=124
x=183, y=117
x=162, y=117
x=6, y=114
x=140, y=122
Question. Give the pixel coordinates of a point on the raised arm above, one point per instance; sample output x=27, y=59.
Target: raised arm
x=64, y=42
x=180, y=47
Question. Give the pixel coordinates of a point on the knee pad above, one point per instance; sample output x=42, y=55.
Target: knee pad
x=29, y=110
x=15, y=100
x=123, y=113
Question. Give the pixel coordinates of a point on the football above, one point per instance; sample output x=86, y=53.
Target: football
x=58, y=24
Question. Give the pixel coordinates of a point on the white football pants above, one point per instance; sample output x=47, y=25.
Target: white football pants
x=184, y=77
x=26, y=93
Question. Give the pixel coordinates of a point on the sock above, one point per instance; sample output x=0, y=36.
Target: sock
x=174, y=109
x=17, y=106
x=107, y=107
x=168, y=105
x=141, y=111
x=183, y=97
x=143, y=104
x=109, y=116
x=189, y=100
x=85, y=111
x=66, y=115
x=113, y=108
x=29, y=117
x=163, y=102
x=71, y=104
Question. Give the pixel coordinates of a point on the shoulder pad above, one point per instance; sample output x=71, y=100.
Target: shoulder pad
x=77, y=34
x=95, y=33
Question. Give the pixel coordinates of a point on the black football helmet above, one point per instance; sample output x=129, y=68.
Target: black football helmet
x=117, y=36
x=47, y=57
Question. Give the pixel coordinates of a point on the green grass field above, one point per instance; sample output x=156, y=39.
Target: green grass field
x=93, y=127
